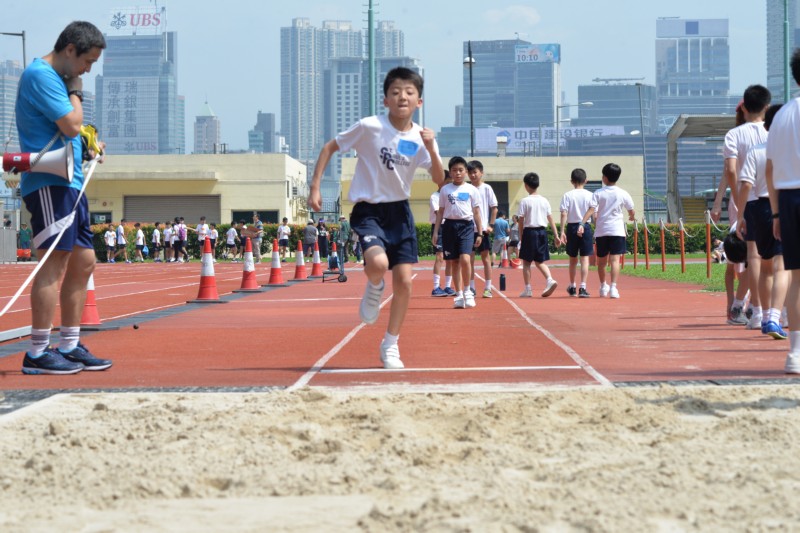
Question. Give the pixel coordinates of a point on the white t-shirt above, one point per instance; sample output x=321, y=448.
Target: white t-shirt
x=458, y=201
x=783, y=147
x=534, y=210
x=120, y=234
x=214, y=235
x=202, y=232
x=754, y=172
x=387, y=159
x=739, y=140
x=231, y=235
x=111, y=238
x=168, y=235
x=433, y=207
x=575, y=203
x=139, y=237
x=284, y=231
x=486, y=200
x=610, y=204
x=156, y=239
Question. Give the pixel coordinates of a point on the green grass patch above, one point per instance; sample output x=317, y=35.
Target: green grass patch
x=695, y=273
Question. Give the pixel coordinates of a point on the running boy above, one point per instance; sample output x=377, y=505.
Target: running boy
x=535, y=214
x=574, y=205
x=458, y=207
x=390, y=148
x=608, y=203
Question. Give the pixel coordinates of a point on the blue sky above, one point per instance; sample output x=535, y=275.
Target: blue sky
x=229, y=52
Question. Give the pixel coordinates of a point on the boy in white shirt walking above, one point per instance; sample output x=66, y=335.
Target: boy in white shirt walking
x=535, y=214
x=609, y=204
x=575, y=204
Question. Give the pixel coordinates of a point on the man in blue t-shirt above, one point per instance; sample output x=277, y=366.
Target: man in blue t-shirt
x=49, y=112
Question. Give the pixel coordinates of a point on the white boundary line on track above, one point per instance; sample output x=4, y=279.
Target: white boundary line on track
x=444, y=369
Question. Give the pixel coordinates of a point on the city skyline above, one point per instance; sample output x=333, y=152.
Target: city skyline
x=238, y=72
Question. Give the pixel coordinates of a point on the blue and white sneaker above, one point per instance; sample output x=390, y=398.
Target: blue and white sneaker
x=51, y=362
x=774, y=330
x=449, y=291
x=438, y=292
x=83, y=356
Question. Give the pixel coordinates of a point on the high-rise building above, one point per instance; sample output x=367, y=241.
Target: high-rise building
x=10, y=71
x=514, y=83
x=138, y=108
x=389, y=41
x=692, y=68
x=305, y=52
x=207, y=138
x=618, y=103
x=775, y=46
x=261, y=139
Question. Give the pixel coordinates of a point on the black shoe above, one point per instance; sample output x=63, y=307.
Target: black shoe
x=572, y=291
x=81, y=355
x=582, y=293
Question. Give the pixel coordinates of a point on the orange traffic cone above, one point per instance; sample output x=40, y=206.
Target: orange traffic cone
x=90, y=319
x=300, y=273
x=504, y=257
x=316, y=267
x=249, y=283
x=275, y=274
x=208, y=282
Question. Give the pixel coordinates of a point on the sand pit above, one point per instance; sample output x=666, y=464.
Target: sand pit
x=666, y=459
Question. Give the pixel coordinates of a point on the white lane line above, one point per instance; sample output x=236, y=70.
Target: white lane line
x=461, y=369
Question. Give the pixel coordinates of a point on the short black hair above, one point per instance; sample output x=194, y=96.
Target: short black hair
x=475, y=164
x=136, y=225
x=612, y=172
x=769, y=116
x=456, y=160
x=405, y=74
x=578, y=176
x=756, y=98
x=84, y=35
x=156, y=224
x=531, y=179
x=735, y=248
x=795, y=65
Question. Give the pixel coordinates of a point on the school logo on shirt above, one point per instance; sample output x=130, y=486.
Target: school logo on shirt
x=390, y=158
x=458, y=197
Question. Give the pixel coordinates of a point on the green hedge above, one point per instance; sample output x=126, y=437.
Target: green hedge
x=695, y=241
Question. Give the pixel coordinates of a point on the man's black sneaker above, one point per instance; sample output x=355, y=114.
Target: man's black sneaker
x=50, y=362
x=81, y=355
x=582, y=293
x=572, y=291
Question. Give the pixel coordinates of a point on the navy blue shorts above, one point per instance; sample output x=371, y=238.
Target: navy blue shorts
x=438, y=247
x=611, y=244
x=766, y=243
x=390, y=226
x=535, y=247
x=458, y=237
x=579, y=245
x=283, y=242
x=750, y=220
x=789, y=209
x=484, y=246
x=51, y=209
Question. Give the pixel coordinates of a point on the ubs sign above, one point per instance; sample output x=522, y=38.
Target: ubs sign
x=130, y=21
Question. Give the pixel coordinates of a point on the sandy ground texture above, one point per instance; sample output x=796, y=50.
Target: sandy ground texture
x=640, y=459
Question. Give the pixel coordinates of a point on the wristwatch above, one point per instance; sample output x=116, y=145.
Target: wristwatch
x=77, y=93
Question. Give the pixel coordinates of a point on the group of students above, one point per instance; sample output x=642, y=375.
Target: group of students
x=171, y=240
x=762, y=247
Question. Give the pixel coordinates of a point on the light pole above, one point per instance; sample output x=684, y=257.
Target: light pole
x=558, y=122
x=644, y=153
x=541, y=127
x=469, y=61
x=21, y=34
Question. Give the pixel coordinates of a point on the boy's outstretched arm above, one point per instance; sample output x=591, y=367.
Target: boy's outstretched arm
x=437, y=169
x=314, y=196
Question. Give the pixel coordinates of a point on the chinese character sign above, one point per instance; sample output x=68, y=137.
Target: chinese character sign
x=130, y=115
x=526, y=140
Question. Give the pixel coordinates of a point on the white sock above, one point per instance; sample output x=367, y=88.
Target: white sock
x=571, y=285
x=583, y=285
x=757, y=311
x=390, y=339
x=773, y=315
x=737, y=303
x=68, y=339
x=472, y=285
x=614, y=285
x=460, y=294
x=528, y=287
x=794, y=342
x=489, y=285
x=436, y=279
x=448, y=281
x=40, y=338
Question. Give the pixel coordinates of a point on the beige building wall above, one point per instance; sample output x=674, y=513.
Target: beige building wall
x=243, y=182
x=553, y=172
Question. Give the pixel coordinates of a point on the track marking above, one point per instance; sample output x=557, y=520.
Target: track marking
x=458, y=369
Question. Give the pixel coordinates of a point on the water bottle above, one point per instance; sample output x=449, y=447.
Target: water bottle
x=502, y=282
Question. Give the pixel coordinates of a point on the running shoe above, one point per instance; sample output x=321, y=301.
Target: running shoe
x=450, y=291
x=549, y=288
x=755, y=322
x=438, y=292
x=613, y=292
x=792, y=365
x=81, y=355
x=469, y=300
x=527, y=293
x=774, y=330
x=390, y=357
x=50, y=362
x=736, y=317
x=371, y=303
x=459, y=303
x=583, y=293
x=604, y=290
x=487, y=293
x=572, y=291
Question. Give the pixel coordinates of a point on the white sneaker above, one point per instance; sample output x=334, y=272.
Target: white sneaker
x=469, y=300
x=784, y=319
x=604, y=290
x=390, y=357
x=459, y=302
x=549, y=288
x=527, y=293
x=371, y=303
x=754, y=322
x=792, y=365
x=613, y=292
